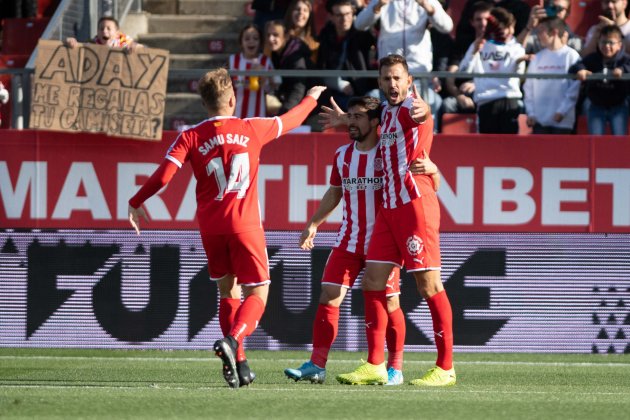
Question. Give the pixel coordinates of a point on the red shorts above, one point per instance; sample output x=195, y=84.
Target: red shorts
x=242, y=254
x=343, y=268
x=408, y=235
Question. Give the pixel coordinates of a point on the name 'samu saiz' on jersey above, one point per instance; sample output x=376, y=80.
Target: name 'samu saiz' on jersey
x=221, y=139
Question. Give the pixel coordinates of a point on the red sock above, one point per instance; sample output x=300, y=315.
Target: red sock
x=247, y=318
x=227, y=313
x=442, y=317
x=375, y=324
x=325, y=328
x=396, y=330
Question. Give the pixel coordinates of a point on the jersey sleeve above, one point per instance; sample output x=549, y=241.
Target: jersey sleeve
x=269, y=129
x=158, y=179
x=179, y=151
x=335, y=174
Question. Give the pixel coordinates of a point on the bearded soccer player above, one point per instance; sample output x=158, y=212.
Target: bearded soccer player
x=224, y=152
x=356, y=179
x=406, y=230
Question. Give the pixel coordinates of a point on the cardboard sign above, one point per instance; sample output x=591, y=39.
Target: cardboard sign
x=94, y=88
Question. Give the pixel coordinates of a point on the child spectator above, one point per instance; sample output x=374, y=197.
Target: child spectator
x=498, y=100
x=109, y=34
x=287, y=53
x=461, y=91
x=250, y=90
x=550, y=103
x=552, y=8
x=300, y=23
x=608, y=97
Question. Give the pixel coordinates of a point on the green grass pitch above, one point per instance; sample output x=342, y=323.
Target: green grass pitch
x=118, y=384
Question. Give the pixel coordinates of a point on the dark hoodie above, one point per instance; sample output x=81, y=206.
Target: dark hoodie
x=294, y=56
x=610, y=92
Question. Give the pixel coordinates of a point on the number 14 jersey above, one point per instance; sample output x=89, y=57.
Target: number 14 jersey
x=224, y=154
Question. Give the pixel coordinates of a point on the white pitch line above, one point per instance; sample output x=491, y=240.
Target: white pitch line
x=349, y=389
x=213, y=359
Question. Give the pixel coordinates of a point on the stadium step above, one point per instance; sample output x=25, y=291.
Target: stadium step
x=207, y=24
x=199, y=34
x=220, y=7
x=180, y=43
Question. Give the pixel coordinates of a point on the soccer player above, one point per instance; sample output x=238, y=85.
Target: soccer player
x=356, y=179
x=406, y=229
x=224, y=152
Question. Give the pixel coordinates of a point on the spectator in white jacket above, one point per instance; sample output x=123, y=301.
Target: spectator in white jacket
x=404, y=30
x=550, y=103
x=499, y=100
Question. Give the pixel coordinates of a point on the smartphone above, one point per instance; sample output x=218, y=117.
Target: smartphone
x=551, y=10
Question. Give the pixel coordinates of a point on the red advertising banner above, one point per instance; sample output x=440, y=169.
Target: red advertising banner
x=490, y=183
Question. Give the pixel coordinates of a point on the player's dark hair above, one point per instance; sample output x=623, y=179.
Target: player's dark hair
x=554, y=23
x=247, y=28
x=108, y=18
x=392, y=60
x=371, y=104
x=214, y=88
x=611, y=30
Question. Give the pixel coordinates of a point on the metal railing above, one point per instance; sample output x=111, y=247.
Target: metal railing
x=21, y=81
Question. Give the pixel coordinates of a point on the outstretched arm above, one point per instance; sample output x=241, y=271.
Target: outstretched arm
x=160, y=178
x=329, y=202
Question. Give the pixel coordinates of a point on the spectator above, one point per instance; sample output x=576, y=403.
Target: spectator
x=343, y=47
x=109, y=34
x=465, y=33
x=608, y=98
x=613, y=13
x=266, y=10
x=287, y=53
x=461, y=91
x=404, y=30
x=250, y=90
x=4, y=98
x=498, y=100
x=555, y=8
x=550, y=103
x=300, y=23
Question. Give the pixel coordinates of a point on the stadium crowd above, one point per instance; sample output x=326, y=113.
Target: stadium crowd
x=491, y=36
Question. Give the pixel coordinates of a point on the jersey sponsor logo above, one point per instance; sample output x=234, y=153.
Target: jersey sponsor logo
x=414, y=245
x=221, y=139
x=388, y=139
x=362, y=183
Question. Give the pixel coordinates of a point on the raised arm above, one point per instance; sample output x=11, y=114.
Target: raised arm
x=296, y=116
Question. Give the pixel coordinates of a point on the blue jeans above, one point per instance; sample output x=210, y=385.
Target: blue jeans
x=616, y=116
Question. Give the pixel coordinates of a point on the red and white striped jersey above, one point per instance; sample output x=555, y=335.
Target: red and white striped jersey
x=359, y=174
x=249, y=103
x=402, y=141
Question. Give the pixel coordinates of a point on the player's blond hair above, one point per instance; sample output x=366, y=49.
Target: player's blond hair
x=215, y=89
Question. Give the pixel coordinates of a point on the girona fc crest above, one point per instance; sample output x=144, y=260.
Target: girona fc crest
x=414, y=245
x=378, y=164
